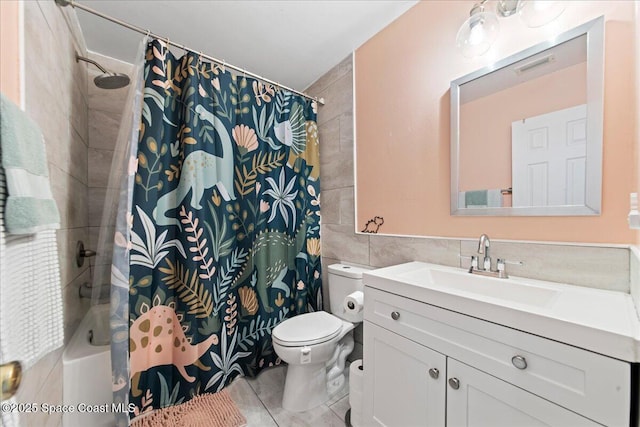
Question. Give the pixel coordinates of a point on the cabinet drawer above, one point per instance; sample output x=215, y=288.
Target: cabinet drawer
x=588, y=383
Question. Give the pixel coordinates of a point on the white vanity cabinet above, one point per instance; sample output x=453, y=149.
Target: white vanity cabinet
x=484, y=400
x=408, y=384
x=429, y=366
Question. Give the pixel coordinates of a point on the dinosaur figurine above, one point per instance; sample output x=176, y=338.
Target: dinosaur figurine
x=200, y=171
x=271, y=245
x=156, y=338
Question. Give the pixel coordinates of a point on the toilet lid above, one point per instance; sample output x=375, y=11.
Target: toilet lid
x=307, y=329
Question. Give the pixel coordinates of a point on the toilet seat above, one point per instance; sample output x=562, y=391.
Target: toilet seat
x=307, y=329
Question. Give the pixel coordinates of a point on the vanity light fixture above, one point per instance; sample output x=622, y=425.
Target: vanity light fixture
x=481, y=29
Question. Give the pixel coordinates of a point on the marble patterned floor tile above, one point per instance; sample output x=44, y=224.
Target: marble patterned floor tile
x=269, y=385
x=249, y=404
x=341, y=407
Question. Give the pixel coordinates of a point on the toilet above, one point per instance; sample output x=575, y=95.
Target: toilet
x=316, y=345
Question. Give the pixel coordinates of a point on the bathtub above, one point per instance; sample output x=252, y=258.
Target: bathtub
x=86, y=371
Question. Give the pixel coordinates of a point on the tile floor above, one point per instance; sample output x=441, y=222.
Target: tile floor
x=259, y=399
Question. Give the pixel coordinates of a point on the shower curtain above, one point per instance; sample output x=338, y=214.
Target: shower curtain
x=222, y=234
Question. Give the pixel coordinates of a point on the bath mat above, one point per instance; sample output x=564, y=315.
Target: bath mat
x=205, y=410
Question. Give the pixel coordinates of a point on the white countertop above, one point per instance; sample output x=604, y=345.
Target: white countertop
x=605, y=322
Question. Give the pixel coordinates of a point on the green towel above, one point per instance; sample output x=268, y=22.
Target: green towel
x=475, y=198
x=29, y=206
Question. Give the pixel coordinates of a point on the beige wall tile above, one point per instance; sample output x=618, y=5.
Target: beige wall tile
x=336, y=170
x=99, y=167
x=51, y=394
x=71, y=197
x=96, y=205
x=36, y=376
x=94, y=234
x=338, y=99
x=110, y=100
x=75, y=307
x=340, y=242
x=594, y=267
x=79, y=111
x=634, y=275
x=56, y=98
x=329, y=136
x=42, y=383
x=346, y=132
x=330, y=206
x=78, y=167
x=347, y=212
x=103, y=129
x=67, y=240
x=388, y=250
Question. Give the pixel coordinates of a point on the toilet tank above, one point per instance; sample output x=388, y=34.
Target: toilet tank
x=343, y=280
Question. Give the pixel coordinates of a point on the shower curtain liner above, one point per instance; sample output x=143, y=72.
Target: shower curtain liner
x=217, y=229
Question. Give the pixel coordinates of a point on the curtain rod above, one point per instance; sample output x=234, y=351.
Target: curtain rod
x=74, y=4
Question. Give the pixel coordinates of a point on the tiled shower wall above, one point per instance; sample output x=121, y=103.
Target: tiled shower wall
x=56, y=98
x=105, y=111
x=592, y=266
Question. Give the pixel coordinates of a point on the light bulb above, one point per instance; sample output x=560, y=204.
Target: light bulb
x=536, y=13
x=477, y=34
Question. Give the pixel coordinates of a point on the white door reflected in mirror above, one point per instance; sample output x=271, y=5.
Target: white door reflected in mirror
x=549, y=157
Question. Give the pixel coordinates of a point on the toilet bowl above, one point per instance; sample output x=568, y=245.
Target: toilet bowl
x=316, y=345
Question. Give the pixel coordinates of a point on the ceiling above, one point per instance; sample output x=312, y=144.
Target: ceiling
x=292, y=42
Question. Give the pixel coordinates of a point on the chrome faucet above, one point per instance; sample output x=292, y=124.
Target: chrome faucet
x=483, y=248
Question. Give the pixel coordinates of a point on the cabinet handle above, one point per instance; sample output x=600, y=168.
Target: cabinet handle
x=434, y=373
x=519, y=362
x=454, y=383
x=395, y=315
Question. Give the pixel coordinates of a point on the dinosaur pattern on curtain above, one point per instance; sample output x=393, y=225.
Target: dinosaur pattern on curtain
x=225, y=227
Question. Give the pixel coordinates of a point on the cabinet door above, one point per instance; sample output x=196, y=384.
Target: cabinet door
x=483, y=400
x=398, y=387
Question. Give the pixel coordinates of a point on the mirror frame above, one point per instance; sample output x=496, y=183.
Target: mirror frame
x=594, y=31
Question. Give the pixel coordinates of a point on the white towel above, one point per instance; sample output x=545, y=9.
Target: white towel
x=31, y=319
x=494, y=200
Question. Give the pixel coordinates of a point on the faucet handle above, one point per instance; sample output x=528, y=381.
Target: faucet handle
x=506, y=261
x=474, y=262
x=501, y=267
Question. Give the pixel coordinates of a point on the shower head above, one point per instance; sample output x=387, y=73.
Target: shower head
x=106, y=80
x=111, y=80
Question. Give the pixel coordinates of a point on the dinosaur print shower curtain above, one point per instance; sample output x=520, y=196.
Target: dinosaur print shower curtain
x=224, y=228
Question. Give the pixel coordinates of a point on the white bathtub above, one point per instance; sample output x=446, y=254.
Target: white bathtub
x=86, y=371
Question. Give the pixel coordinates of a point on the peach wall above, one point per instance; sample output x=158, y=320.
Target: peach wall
x=402, y=78
x=637, y=120
x=10, y=50
x=485, y=131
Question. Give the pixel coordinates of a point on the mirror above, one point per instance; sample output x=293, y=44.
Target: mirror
x=526, y=132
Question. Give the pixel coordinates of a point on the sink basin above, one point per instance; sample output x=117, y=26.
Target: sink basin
x=505, y=289
x=599, y=320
